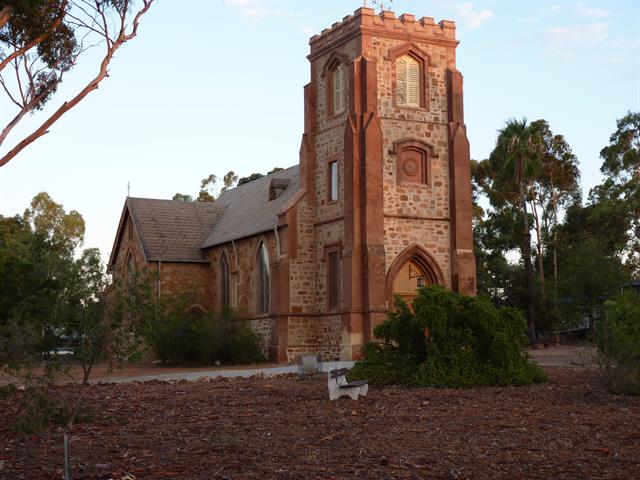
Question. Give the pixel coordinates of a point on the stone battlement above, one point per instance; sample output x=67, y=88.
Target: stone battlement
x=366, y=19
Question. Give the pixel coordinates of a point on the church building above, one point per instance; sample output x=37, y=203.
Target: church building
x=311, y=257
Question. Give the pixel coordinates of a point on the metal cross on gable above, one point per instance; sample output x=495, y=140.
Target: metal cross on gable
x=384, y=5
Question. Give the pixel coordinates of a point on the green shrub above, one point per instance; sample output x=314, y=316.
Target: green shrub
x=7, y=390
x=618, y=341
x=449, y=340
x=181, y=338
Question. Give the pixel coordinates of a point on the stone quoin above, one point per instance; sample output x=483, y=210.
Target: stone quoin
x=379, y=205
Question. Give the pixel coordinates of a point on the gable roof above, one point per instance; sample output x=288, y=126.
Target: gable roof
x=177, y=231
x=170, y=230
x=248, y=210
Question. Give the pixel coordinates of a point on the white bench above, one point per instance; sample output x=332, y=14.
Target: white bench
x=339, y=387
x=308, y=366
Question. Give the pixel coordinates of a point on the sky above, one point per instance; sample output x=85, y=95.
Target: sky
x=211, y=86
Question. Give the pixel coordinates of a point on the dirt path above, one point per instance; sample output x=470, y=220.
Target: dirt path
x=286, y=428
x=564, y=356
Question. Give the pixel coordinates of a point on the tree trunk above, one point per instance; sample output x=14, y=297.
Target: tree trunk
x=543, y=291
x=528, y=267
x=554, y=206
x=5, y=16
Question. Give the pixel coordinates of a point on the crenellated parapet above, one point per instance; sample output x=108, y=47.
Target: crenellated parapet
x=365, y=20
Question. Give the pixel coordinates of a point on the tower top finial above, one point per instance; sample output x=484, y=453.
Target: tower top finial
x=385, y=5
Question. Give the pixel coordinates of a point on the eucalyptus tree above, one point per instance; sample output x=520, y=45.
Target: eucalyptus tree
x=557, y=186
x=621, y=168
x=40, y=42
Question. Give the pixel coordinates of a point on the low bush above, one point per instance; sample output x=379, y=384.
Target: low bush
x=449, y=340
x=7, y=390
x=181, y=338
x=618, y=341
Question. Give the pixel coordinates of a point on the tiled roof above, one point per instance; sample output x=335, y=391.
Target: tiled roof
x=248, y=210
x=171, y=230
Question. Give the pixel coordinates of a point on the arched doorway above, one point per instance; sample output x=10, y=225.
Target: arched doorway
x=407, y=282
x=413, y=268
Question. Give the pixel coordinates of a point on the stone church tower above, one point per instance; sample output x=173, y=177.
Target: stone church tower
x=384, y=113
x=312, y=257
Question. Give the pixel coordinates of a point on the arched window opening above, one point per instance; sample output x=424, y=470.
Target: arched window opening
x=408, y=81
x=131, y=269
x=225, y=297
x=195, y=312
x=263, y=279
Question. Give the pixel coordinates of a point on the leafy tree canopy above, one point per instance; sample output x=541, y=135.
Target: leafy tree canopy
x=41, y=41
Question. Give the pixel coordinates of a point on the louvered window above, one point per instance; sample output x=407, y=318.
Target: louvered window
x=339, y=89
x=407, y=82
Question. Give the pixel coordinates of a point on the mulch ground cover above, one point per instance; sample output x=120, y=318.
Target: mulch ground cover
x=286, y=428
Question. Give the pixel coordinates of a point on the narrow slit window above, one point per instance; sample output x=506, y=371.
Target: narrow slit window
x=263, y=279
x=224, y=282
x=333, y=181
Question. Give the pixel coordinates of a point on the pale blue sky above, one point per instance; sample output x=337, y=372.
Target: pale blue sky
x=211, y=86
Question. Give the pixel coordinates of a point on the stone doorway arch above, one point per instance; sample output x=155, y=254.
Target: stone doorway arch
x=414, y=267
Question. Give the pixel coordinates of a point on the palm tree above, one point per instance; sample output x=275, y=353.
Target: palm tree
x=516, y=159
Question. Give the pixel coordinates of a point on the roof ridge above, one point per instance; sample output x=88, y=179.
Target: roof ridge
x=264, y=177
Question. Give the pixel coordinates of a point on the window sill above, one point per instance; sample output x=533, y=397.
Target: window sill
x=421, y=186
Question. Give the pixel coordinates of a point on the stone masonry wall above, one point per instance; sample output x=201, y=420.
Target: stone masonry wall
x=317, y=334
x=129, y=244
x=302, y=268
x=415, y=213
x=243, y=282
x=191, y=280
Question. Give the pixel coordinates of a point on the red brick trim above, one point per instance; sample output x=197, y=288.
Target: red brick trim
x=318, y=51
x=424, y=59
x=334, y=59
x=326, y=222
x=418, y=217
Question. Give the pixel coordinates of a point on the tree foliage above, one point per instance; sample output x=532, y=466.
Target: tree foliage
x=531, y=183
x=516, y=161
x=41, y=41
x=52, y=296
x=208, y=189
x=449, y=340
x=618, y=340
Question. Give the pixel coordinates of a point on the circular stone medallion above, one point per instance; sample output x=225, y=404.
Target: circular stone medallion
x=410, y=167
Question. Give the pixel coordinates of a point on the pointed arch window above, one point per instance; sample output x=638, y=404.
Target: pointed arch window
x=225, y=290
x=263, y=279
x=408, y=82
x=130, y=265
x=334, y=73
